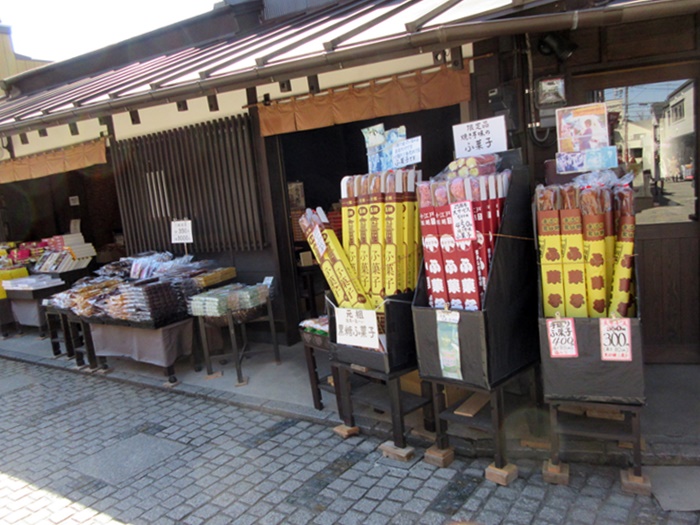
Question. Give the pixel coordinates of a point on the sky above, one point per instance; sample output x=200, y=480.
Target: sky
x=60, y=29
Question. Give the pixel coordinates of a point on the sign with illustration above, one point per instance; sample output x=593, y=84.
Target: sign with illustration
x=583, y=140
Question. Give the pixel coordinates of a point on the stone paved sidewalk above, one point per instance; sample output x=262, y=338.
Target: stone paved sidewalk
x=79, y=449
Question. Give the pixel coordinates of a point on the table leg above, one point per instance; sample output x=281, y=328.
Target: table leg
x=553, y=435
x=234, y=346
x=312, y=367
x=498, y=427
x=51, y=321
x=170, y=372
x=442, y=441
x=396, y=413
x=273, y=332
x=68, y=335
x=89, y=345
x=429, y=409
x=636, y=444
x=205, y=345
x=335, y=374
x=345, y=400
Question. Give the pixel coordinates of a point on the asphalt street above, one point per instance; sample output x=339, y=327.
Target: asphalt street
x=83, y=449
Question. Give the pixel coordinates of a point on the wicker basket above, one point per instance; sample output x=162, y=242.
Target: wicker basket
x=248, y=314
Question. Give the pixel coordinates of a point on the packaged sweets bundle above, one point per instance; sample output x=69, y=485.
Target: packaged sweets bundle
x=82, y=296
x=379, y=231
x=335, y=264
x=585, y=270
x=212, y=303
x=460, y=213
x=248, y=297
x=215, y=276
x=147, y=301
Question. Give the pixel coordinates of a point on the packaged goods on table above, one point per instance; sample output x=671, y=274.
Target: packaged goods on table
x=460, y=213
x=87, y=297
x=214, y=277
x=9, y=274
x=318, y=325
x=248, y=297
x=581, y=275
x=212, y=303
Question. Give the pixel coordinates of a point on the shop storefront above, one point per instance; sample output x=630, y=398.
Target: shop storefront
x=231, y=176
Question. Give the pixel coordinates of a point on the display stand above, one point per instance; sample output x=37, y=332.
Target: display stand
x=314, y=343
x=27, y=308
x=238, y=353
x=384, y=395
x=385, y=369
x=496, y=344
x=588, y=383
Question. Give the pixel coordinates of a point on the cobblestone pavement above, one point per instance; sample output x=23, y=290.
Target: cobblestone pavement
x=82, y=449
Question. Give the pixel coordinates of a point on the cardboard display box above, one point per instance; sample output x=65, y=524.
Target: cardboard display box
x=501, y=339
x=587, y=377
x=400, y=343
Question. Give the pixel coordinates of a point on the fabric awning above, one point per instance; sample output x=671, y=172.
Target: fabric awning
x=55, y=161
x=377, y=98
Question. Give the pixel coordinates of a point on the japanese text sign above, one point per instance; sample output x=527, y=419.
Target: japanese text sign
x=181, y=232
x=357, y=328
x=407, y=152
x=562, y=338
x=463, y=221
x=615, y=340
x=480, y=136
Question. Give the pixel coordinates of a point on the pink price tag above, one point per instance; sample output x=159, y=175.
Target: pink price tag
x=615, y=339
x=562, y=338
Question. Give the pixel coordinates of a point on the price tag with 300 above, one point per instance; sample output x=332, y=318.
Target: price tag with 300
x=562, y=338
x=615, y=339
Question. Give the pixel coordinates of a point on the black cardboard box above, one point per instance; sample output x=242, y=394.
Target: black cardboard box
x=501, y=339
x=588, y=378
x=400, y=343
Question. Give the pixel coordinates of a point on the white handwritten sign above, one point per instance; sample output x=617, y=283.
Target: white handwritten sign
x=562, y=338
x=318, y=240
x=615, y=340
x=407, y=152
x=357, y=328
x=480, y=136
x=181, y=232
x=463, y=221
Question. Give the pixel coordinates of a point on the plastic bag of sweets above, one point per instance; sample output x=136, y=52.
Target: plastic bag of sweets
x=466, y=296
x=432, y=255
x=593, y=220
x=624, y=251
x=547, y=203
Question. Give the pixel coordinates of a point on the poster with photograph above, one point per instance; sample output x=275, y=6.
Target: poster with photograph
x=582, y=128
x=589, y=160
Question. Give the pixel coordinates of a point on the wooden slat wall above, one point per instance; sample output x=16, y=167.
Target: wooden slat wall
x=205, y=173
x=668, y=281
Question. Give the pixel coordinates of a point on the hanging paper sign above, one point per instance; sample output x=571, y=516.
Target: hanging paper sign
x=463, y=221
x=448, y=343
x=318, y=240
x=480, y=136
x=407, y=152
x=615, y=339
x=562, y=338
x=181, y=232
x=357, y=328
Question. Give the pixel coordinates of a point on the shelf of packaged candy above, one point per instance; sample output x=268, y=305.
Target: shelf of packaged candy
x=489, y=282
x=590, y=325
x=233, y=306
x=474, y=309
x=585, y=233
